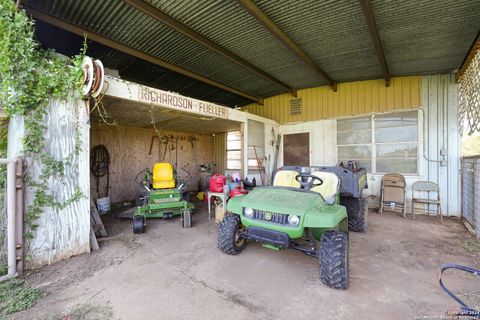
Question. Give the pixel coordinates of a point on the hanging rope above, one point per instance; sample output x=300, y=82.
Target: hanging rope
x=100, y=166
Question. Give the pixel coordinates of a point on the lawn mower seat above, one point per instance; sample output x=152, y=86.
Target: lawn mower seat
x=286, y=178
x=329, y=188
x=163, y=176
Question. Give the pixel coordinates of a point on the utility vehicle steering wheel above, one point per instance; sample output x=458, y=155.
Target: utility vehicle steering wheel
x=307, y=181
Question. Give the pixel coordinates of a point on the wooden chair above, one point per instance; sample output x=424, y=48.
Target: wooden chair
x=393, y=196
x=419, y=189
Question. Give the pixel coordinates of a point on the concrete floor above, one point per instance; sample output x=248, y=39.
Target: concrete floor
x=175, y=273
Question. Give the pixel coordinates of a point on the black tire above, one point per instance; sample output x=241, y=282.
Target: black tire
x=186, y=219
x=357, y=211
x=138, y=224
x=334, y=260
x=228, y=240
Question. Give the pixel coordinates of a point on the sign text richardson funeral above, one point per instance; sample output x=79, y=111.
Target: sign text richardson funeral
x=163, y=98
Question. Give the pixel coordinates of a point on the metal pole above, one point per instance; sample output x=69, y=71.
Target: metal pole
x=12, y=262
x=19, y=214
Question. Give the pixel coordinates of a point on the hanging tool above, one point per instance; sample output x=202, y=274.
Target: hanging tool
x=275, y=156
x=260, y=167
x=100, y=166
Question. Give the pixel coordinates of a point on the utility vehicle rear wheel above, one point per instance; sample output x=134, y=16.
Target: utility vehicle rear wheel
x=138, y=224
x=186, y=219
x=229, y=240
x=357, y=211
x=333, y=259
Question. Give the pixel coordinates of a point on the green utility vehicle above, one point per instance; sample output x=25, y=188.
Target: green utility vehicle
x=302, y=211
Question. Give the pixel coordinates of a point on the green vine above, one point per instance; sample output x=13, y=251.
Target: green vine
x=31, y=77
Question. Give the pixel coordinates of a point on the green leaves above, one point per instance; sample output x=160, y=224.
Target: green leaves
x=30, y=77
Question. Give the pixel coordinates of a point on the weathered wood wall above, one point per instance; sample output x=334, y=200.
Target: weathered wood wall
x=129, y=149
x=61, y=233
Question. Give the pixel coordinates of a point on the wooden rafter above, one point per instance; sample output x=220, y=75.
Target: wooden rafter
x=372, y=29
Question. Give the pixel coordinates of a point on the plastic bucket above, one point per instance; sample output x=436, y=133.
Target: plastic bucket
x=103, y=204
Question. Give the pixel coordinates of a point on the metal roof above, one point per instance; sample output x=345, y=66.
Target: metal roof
x=418, y=37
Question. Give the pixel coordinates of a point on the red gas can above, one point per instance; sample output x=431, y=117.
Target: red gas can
x=237, y=192
x=217, y=181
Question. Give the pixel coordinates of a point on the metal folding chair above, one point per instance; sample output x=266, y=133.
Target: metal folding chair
x=393, y=197
x=420, y=189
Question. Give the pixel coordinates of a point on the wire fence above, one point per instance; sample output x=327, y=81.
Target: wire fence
x=471, y=192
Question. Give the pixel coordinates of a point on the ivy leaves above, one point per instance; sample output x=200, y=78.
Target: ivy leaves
x=30, y=77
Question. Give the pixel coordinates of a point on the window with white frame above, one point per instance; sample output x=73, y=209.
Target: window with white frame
x=380, y=143
x=234, y=156
x=234, y=149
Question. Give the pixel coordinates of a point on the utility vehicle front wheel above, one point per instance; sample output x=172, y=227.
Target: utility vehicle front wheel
x=333, y=259
x=229, y=240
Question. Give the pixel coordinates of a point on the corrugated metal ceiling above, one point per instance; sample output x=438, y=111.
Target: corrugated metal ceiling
x=417, y=36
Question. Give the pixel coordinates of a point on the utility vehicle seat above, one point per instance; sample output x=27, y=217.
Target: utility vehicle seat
x=329, y=188
x=163, y=176
x=286, y=178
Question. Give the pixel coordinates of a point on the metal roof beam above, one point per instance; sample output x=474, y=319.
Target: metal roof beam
x=258, y=14
x=60, y=23
x=372, y=29
x=161, y=16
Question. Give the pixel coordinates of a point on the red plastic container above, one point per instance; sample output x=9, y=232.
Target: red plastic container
x=217, y=181
x=237, y=192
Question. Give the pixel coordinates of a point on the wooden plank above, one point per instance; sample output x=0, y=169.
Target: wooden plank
x=93, y=240
x=97, y=221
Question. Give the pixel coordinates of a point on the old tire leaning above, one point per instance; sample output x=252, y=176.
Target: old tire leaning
x=334, y=260
x=186, y=219
x=357, y=211
x=138, y=224
x=228, y=240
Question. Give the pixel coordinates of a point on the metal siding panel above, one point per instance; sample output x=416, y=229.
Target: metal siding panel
x=406, y=90
x=382, y=98
x=351, y=98
x=432, y=131
x=391, y=95
x=415, y=92
x=375, y=95
x=350, y=101
x=454, y=195
x=441, y=139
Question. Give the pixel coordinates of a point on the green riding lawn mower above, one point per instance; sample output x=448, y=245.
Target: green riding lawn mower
x=160, y=197
x=310, y=209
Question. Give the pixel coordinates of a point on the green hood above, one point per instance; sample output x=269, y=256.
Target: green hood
x=277, y=199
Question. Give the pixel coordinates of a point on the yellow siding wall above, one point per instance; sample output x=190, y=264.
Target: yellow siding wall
x=351, y=98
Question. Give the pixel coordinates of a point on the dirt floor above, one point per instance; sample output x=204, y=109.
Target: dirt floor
x=175, y=273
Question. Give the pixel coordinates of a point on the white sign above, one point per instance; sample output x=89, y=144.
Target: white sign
x=175, y=101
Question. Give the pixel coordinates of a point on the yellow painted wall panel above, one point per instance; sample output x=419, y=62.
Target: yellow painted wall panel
x=351, y=98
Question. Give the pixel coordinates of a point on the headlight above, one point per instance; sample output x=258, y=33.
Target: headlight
x=293, y=220
x=248, y=212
